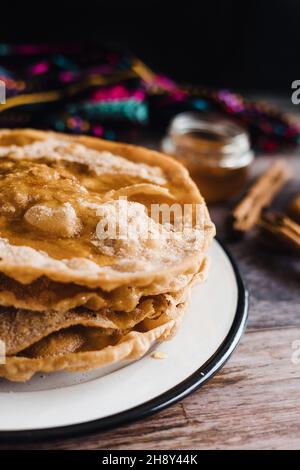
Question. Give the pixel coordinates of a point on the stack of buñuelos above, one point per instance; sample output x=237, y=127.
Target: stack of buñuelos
x=97, y=259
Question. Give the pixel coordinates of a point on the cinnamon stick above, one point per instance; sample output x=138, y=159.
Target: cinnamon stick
x=246, y=214
x=294, y=209
x=281, y=228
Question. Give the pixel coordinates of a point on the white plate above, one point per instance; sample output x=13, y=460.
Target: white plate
x=64, y=404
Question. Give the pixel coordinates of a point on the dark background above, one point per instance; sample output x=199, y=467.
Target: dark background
x=245, y=45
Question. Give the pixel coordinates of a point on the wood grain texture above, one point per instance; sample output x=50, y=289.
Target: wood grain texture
x=254, y=402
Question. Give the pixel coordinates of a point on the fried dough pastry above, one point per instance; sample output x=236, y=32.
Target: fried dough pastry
x=44, y=295
x=80, y=348
x=96, y=260
x=56, y=189
x=20, y=329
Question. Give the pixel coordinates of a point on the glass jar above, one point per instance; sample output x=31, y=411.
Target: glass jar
x=215, y=150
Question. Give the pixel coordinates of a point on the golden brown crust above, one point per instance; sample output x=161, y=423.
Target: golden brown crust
x=176, y=172
x=44, y=294
x=20, y=329
x=130, y=347
x=79, y=300
x=26, y=264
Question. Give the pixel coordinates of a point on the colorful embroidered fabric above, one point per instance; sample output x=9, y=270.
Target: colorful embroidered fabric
x=83, y=88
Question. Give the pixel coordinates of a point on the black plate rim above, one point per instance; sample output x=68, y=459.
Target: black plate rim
x=166, y=399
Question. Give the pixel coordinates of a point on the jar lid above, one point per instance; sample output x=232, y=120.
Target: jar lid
x=223, y=141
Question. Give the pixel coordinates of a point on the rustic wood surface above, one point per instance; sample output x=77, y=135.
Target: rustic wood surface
x=254, y=402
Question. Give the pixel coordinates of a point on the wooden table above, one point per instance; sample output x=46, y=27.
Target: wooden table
x=254, y=402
